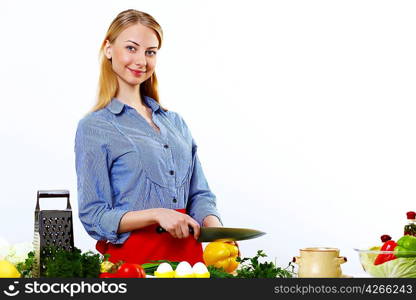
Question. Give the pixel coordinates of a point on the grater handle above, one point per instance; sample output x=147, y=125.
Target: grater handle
x=53, y=194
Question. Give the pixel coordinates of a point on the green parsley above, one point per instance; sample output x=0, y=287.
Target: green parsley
x=252, y=268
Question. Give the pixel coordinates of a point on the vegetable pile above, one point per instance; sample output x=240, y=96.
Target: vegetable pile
x=250, y=267
x=221, y=260
x=393, y=259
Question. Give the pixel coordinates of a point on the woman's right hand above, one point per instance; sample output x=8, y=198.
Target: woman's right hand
x=176, y=223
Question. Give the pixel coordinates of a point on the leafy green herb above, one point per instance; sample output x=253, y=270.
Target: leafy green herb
x=252, y=268
x=63, y=264
x=218, y=273
x=91, y=265
x=26, y=268
x=72, y=264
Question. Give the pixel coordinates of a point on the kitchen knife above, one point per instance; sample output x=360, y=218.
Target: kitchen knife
x=210, y=234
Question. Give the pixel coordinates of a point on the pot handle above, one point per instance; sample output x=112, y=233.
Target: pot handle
x=341, y=259
x=296, y=259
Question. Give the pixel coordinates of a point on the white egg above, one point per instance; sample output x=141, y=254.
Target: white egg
x=199, y=268
x=184, y=269
x=164, y=270
x=164, y=267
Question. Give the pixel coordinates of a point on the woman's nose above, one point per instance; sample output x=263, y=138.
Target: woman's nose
x=140, y=59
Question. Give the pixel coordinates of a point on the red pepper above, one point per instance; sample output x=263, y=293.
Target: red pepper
x=388, y=245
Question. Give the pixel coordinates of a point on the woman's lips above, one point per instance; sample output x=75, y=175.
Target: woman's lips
x=136, y=73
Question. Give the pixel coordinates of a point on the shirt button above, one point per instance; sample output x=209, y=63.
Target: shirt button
x=174, y=200
x=166, y=146
x=171, y=172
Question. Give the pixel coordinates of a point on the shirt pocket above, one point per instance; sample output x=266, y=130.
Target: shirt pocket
x=158, y=162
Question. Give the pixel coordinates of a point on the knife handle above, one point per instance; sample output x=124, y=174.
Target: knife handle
x=159, y=229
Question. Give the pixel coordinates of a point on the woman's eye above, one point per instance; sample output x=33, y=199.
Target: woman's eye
x=152, y=53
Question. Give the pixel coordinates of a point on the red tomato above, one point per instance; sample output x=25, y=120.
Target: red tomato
x=127, y=270
x=142, y=273
x=108, y=275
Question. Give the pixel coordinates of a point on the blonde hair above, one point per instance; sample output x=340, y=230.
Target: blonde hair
x=107, y=84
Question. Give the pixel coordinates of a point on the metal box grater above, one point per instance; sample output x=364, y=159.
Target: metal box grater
x=52, y=228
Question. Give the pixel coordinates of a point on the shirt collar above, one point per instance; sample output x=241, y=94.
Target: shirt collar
x=116, y=106
x=152, y=103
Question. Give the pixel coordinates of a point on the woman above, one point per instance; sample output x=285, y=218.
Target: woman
x=136, y=162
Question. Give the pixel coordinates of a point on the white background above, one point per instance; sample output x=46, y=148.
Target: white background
x=303, y=112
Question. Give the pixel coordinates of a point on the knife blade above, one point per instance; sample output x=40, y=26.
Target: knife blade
x=210, y=234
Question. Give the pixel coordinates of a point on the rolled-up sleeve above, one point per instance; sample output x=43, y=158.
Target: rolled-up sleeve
x=202, y=201
x=92, y=160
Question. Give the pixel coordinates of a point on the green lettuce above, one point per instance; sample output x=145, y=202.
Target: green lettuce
x=396, y=268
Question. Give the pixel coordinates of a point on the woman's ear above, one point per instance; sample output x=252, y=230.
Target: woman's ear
x=107, y=49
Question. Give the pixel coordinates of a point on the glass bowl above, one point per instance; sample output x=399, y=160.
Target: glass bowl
x=400, y=267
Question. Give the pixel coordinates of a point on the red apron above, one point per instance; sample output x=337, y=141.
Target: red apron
x=145, y=244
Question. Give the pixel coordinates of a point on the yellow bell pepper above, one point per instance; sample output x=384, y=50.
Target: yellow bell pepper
x=221, y=255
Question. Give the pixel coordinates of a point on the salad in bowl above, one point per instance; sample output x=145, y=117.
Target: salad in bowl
x=391, y=259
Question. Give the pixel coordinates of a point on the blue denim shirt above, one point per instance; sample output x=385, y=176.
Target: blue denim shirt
x=123, y=164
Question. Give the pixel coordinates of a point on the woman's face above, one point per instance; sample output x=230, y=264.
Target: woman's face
x=133, y=50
